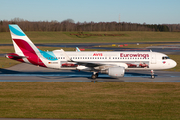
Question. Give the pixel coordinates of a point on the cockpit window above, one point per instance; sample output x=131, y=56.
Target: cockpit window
x=165, y=57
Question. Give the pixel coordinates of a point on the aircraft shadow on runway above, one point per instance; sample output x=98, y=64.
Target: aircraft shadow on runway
x=67, y=74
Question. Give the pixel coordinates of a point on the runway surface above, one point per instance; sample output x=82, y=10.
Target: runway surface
x=29, y=73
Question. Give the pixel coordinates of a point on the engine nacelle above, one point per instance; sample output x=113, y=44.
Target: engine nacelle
x=116, y=72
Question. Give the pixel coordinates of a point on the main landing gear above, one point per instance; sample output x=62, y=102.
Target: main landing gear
x=152, y=74
x=94, y=75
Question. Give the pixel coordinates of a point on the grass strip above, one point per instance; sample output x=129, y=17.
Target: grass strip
x=132, y=45
x=116, y=101
x=5, y=62
x=65, y=37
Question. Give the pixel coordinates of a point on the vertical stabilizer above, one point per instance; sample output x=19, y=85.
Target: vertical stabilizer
x=20, y=41
x=24, y=47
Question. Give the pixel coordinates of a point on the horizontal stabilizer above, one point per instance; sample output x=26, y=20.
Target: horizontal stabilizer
x=14, y=56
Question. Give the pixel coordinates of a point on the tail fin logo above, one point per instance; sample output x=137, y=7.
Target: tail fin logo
x=16, y=30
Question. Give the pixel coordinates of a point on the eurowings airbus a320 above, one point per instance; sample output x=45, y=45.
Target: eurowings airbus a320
x=113, y=63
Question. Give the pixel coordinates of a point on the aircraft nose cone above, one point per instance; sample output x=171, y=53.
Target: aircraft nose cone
x=174, y=63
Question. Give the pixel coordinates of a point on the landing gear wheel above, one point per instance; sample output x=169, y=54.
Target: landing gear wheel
x=152, y=76
x=94, y=76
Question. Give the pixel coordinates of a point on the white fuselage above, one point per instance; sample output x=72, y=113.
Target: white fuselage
x=129, y=60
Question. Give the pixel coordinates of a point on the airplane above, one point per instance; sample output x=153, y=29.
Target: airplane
x=113, y=63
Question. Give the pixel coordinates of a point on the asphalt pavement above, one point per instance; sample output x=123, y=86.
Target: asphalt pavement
x=29, y=73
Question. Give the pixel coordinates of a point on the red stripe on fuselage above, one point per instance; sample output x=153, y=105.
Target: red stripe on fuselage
x=29, y=52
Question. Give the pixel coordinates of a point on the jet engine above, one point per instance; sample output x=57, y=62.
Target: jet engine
x=115, y=72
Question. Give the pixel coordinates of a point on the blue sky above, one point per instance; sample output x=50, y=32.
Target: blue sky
x=134, y=11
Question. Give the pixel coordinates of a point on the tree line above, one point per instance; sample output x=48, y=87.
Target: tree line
x=70, y=25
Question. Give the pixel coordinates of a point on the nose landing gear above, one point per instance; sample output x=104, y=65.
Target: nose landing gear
x=152, y=74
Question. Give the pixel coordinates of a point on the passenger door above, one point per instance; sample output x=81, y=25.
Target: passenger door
x=153, y=58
